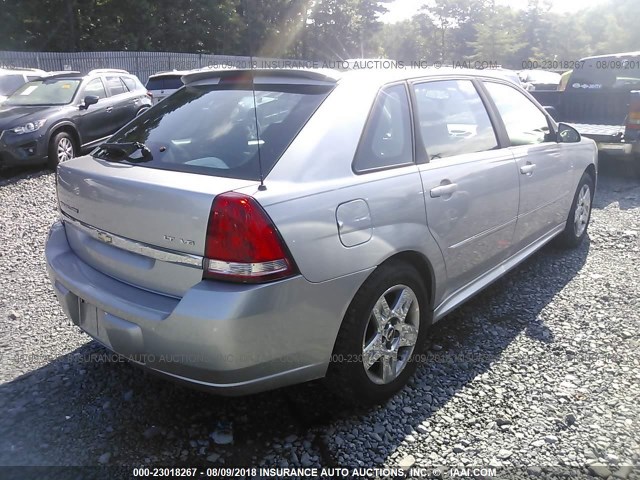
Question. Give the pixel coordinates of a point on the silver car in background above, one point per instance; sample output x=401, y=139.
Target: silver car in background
x=262, y=228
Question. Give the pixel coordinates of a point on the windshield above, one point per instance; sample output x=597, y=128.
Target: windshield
x=55, y=91
x=211, y=129
x=10, y=83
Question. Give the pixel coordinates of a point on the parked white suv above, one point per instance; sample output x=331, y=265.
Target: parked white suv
x=13, y=78
x=163, y=84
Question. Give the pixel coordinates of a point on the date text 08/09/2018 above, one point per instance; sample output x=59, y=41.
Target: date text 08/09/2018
x=313, y=472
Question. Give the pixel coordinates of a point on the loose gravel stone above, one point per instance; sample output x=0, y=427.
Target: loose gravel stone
x=540, y=369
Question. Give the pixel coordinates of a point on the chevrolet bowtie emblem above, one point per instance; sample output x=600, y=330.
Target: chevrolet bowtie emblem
x=105, y=237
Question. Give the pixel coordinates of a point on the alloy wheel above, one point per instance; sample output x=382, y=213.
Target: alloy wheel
x=391, y=334
x=64, y=150
x=583, y=208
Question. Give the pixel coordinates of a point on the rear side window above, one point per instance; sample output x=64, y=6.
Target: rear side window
x=115, y=86
x=95, y=87
x=386, y=141
x=453, y=119
x=525, y=123
x=606, y=74
x=211, y=129
x=132, y=83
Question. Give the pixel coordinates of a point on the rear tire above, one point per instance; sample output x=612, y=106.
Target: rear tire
x=579, y=216
x=377, y=347
x=62, y=147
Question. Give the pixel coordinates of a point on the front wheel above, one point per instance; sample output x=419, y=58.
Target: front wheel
x=61, y=149
x=382, y=332
x=579, y=216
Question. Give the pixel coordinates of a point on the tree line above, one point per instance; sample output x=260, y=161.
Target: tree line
x=446, y=31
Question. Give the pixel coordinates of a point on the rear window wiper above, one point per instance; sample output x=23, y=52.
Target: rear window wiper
x=125, y=149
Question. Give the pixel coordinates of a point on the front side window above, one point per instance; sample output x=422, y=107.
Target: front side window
x=54, y=91
x=525, y=123
x=95, y=87
x=452, y=119
x=387, y=136
x=211, y=129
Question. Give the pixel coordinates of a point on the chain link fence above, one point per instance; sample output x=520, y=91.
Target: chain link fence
x=141, y=64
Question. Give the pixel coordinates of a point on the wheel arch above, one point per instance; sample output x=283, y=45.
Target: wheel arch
x=591, y=171
x=425, y=269
x=69, y=128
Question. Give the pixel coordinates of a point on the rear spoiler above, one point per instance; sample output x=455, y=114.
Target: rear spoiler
x=265, y=75
x=57, y=74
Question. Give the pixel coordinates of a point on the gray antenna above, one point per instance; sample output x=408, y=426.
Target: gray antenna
x=253, y=91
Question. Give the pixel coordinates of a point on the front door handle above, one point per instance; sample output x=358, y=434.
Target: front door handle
x=109, y=109
x=528, y=168
x=443, y=190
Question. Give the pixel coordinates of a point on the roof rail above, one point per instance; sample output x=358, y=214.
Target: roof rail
x=61, y=73
x=23, y=69
x=107, y=70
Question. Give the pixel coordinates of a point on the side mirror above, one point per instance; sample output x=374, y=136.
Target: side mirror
x=567, y=134
x=89, y=100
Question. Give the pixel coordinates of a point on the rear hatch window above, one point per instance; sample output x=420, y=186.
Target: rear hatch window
x=215, y=129
x=610, y=73
x=172, y=82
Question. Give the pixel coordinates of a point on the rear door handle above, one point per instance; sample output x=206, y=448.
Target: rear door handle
x=443, y=190
x=527, y=169
x=109, y=109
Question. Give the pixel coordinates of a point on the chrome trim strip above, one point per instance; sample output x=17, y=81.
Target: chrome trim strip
x=132, y=246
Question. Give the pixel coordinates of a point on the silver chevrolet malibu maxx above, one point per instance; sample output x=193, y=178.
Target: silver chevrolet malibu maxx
x=267, y=227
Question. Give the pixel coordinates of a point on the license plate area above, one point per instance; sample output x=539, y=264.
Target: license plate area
x=89, y=317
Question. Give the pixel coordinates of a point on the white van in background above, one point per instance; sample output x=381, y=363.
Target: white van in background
x=11, y=79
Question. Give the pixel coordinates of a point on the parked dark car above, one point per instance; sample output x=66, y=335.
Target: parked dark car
x=602, y=101
x=53, y=118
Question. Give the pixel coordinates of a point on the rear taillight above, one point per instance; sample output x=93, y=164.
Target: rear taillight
x=243, y=244
x=633, y=119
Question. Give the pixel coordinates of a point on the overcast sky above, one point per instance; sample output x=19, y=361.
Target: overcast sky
x=404, y=9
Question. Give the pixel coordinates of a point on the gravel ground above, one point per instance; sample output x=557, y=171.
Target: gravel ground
x=541, y=371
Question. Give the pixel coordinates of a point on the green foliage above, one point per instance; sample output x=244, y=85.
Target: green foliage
x=443, y=30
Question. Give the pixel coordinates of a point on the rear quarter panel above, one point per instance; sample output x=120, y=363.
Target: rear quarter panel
x=314, y=177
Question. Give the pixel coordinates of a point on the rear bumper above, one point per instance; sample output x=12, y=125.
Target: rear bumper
x=619, y=149
x=229, y=338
